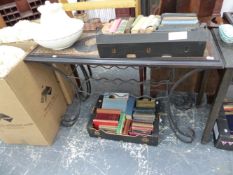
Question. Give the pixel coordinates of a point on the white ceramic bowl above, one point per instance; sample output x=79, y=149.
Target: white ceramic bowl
x=60, y=43
x=63, y=40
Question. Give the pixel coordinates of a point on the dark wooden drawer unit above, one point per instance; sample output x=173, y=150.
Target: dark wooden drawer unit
x=156, y=44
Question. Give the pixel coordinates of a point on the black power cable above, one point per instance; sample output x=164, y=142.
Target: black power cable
x=187, y=137
x=70, y=121
x=86, y=94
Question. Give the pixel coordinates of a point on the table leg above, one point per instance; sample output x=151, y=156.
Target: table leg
x=89, y=70
x=204, y=82
x=214, y=113
x=75, y=72
x=142, y=78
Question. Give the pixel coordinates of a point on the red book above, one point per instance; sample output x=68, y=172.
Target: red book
x=96, y=124
x=105, y=119
x=101, y=116
x=108, y=111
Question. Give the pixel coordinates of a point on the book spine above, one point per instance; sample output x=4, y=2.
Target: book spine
x=179, y=15
x=127, y=126
x=136, y=20
x=106, y=28
x=179, y=22
x=148, y=105
x=121, y=124
x=129, y=25
x=107, y=111
x=115, y=25
x=145, y=104
x=130, y=107
x=105, y=122
x=137, y=27
x=122, y=26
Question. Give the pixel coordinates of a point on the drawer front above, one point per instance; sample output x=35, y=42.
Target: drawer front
x=140, y=50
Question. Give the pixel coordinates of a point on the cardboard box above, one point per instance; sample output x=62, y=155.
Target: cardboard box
x=2, y=22
x=31, y=105
x=68, y=86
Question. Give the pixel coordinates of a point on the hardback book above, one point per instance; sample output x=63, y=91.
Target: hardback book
x=165, y=15
x=228, y=113
x=230, y=123
x=130, y=107
x=177, y=27
x=138, y=128
x=118, y=103
x=228, y=107
x=127, y=126
x=143, y=125
x=109, y=129
x=145, y=103
x=145, y=114
x=121, y=123
x=97, y=124
x=150, y=121
x=115, y=101
x=102, y=116
x=105, y=119
x=108, y=111
x=116, y=95
x=144, y=110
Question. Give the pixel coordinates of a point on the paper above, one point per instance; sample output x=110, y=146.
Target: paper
x=9, y=57
x=209, y=58
x=177, y=36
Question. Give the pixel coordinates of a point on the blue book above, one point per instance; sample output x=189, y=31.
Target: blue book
x=130, y=107
x=110, y=102
x=179, y=22
x=230, y=122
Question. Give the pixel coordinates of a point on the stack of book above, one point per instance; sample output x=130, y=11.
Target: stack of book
x=141, y=24
x=106, y=119
x=111, y=114
x=143, y=118
x=178, y=21
x=122, y=114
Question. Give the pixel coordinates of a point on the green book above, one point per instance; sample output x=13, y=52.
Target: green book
x=122, y=26
x=136, y=20
x=121, y=123
x=129, y=25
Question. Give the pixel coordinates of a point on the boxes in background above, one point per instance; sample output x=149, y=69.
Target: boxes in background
x=222, y=136
x=66, y=85
x=31, y=105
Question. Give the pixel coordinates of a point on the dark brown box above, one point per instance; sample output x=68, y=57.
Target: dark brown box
x=156, y=44
x=149, y=140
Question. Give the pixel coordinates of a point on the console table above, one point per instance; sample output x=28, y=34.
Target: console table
x=74, y=57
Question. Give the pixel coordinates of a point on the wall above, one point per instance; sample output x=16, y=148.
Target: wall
x=227, y=6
